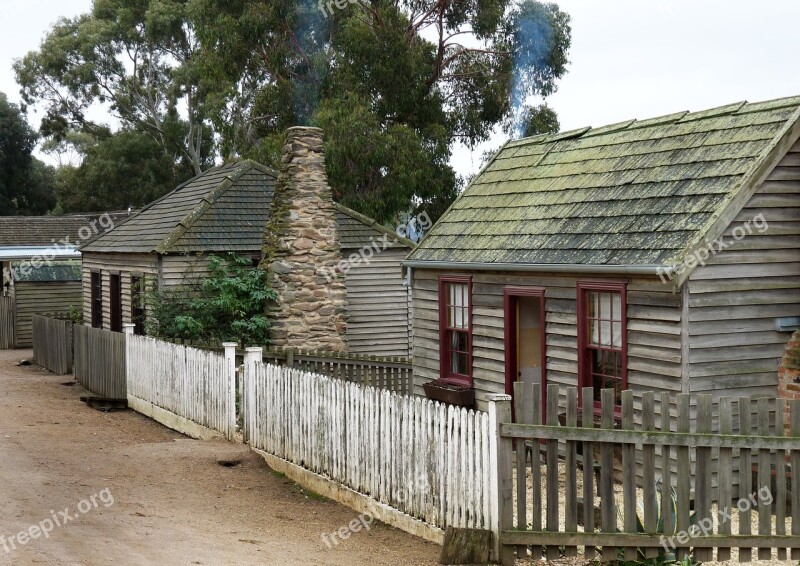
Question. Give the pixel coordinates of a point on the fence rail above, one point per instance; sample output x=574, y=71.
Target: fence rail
x=420, y=457
x=52, y=344
x=391, y=373
x=193, y=384
x=645, y=517
x=100, y=361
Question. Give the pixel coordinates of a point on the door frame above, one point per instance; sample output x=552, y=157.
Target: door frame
x=510, y=295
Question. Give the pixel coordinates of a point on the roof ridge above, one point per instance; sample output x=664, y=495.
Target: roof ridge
x=261, y=167
x=741, y=107
x=372, y=223
x=205, y=203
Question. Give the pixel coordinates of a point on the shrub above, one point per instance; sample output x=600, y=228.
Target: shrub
x=226, y=306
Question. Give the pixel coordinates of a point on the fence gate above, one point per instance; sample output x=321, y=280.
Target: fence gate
x=8, y=323
x=595, y=491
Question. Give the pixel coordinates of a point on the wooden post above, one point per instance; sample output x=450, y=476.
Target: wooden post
x=128, y=327
x=290, y=358
x=230, y=369
x=251, y=356
x=500, y=477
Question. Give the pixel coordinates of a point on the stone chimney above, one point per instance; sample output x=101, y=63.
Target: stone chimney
x=301, y=251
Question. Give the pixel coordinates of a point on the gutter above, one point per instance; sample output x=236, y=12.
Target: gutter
x=666, y=270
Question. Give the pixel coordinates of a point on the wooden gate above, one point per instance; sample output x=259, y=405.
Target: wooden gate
x=100, y=361
x=8, y=323
x=544, y=511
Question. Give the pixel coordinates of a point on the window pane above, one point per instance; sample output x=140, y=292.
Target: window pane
x=593, y=303
x=462, y=364
x=605, y=306
x=617, y=306
x=605, y=334
x=594, y=332
x=617, y=338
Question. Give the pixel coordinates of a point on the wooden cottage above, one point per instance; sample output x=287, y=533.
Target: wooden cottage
x=661, y=254
x=225, y=210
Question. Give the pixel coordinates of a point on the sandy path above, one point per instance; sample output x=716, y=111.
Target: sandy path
x=173, y=503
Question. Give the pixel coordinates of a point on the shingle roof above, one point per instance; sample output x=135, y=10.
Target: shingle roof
x=225, y=209
x=634, y=193
x=44, y=230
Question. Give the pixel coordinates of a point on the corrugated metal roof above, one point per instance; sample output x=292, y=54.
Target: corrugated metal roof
x=223, y=210
x=632, y=193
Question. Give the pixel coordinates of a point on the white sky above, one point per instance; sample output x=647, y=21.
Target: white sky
x=630, y=58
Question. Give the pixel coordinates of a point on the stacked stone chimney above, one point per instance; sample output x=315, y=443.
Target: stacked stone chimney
x=301, y=247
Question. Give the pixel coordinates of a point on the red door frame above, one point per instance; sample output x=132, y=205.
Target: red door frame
x=510, y=296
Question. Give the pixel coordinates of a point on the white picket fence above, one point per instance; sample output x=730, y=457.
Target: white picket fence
x=426, y=459
x=193, y=384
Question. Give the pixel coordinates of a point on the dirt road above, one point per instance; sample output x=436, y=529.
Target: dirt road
x=138, y=493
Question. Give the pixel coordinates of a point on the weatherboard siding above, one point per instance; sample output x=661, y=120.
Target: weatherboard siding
x=378, y=306
x=178, y=270
x=42, y=297
x=127, y=265
x=654, y=330
x=734, y=300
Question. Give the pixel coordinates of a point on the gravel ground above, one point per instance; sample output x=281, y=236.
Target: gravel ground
x=173, y=503
x=618, y=502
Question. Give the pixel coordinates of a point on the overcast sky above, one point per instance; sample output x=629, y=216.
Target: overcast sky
x=629, y=58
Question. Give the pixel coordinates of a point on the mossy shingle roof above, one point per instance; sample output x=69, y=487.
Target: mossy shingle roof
x=634, y=193
x=225, y=209
x=46, y=230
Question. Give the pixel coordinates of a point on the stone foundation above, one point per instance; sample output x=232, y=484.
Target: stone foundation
x=789, y=373
x=301, y=246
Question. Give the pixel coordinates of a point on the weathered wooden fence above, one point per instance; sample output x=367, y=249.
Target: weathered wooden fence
x=196, y=385
x=8, y=323
x=392, y=373
x=52, y=344
x=539, y=507
x=420, y=457
x=99, y=361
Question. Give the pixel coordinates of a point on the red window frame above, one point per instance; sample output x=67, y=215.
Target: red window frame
x=445, y=368
x=585, y=348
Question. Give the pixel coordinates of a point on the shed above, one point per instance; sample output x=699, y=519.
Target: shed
x=226, y=209
x=39, y=260
x=660, y=255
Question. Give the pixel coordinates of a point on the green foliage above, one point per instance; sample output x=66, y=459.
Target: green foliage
x=75, y=314
x=228, y=305
x=395, y=83
x=26, y=184
x=127, y=168
x=660, y=504
x=541, y=120
x=134, y=57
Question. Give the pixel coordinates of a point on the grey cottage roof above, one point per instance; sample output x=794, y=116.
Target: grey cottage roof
x=225, y=209
x=637, y=193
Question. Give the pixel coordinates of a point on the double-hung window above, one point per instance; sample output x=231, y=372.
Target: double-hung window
x=602, y=338
x=455, y=329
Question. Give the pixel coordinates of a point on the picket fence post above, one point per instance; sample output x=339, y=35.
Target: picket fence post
x=230, y=389
x=127, y=328
x=500, y=476
x=252, y=356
